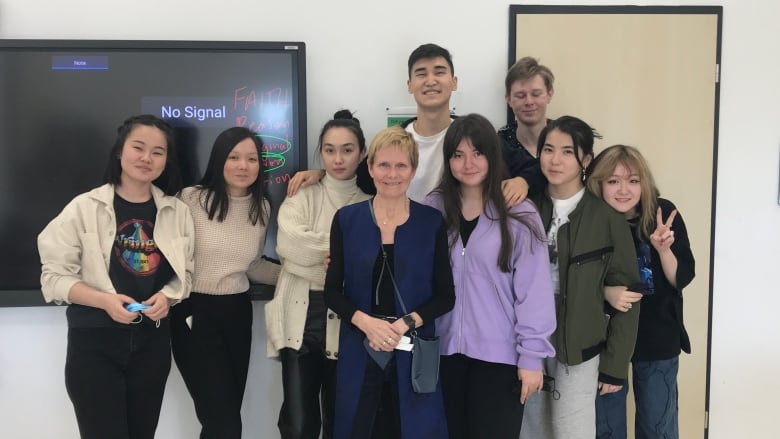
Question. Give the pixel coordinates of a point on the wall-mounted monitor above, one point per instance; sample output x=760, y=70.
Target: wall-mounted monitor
x=62, y=101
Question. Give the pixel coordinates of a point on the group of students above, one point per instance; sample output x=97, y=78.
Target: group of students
x=523, y=252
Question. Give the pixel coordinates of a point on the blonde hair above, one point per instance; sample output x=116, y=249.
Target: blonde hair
x=394, y=136
x=527, y=68
x=603, y=167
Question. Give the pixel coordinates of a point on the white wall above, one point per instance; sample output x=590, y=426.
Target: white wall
x=356, y=58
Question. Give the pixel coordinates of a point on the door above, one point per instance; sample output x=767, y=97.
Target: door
x=646, y=77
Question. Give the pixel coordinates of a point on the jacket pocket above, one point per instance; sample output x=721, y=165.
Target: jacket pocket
x=589, y=270
x=591, y=256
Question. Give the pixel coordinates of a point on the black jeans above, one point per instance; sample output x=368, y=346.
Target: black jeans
x=480, y=398
x=308, y=379
x=213, y=358
x=116, y=377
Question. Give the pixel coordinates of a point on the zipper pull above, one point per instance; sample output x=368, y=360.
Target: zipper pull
x=463, y=252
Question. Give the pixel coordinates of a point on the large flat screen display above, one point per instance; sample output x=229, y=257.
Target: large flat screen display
x=62, y=101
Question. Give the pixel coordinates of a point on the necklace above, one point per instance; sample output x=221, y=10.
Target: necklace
x=390, y=214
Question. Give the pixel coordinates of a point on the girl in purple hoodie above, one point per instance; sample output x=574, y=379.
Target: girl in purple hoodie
x=494, y=340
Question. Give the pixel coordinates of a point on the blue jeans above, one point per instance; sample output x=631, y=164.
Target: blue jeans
x=655, y=395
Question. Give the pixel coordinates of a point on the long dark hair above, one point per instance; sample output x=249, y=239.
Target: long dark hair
x=170, y=180
x=215, y=198
x=480, y=132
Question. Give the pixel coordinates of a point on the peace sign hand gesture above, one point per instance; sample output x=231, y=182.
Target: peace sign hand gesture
x=663, y=237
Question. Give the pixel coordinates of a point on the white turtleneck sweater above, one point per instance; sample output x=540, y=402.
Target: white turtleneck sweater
x=302, y=241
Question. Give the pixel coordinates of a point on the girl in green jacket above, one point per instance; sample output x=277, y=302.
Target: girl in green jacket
x=590, y=247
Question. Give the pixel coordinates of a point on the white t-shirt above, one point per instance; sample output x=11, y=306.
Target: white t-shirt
x=430, y=164
x=561, y=211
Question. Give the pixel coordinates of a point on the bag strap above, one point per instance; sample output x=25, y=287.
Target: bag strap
x=385, y=263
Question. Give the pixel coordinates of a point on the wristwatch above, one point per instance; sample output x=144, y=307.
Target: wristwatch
x=409, y=320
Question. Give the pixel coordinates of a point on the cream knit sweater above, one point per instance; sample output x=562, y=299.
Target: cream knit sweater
x=302, y=242
x=228, y=253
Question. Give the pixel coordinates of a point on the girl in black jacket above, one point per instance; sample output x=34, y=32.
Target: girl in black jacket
x=621, y=177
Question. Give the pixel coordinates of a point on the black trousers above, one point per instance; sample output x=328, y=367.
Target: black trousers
x=481, y=399
x=308, y=379
x=115, y=378
x=379, y=414
x=213, y=358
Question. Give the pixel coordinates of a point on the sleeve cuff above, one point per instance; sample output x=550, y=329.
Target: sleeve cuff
x=530, y=363
x=272, y=260
x=608, y=379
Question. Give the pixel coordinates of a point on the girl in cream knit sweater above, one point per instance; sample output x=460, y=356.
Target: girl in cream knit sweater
x=211, y=332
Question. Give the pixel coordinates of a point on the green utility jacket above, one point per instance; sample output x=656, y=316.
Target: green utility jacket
x=595, y=249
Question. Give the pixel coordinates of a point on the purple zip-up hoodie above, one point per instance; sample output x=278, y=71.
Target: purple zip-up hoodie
x=500, y=317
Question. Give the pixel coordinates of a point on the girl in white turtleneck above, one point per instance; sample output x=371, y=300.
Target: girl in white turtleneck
x=302, y=332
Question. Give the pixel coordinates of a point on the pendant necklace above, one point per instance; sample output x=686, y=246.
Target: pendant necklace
x=392, y=215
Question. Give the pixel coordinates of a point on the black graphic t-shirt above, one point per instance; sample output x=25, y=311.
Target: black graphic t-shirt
x=137, y=267
x=644, y=258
